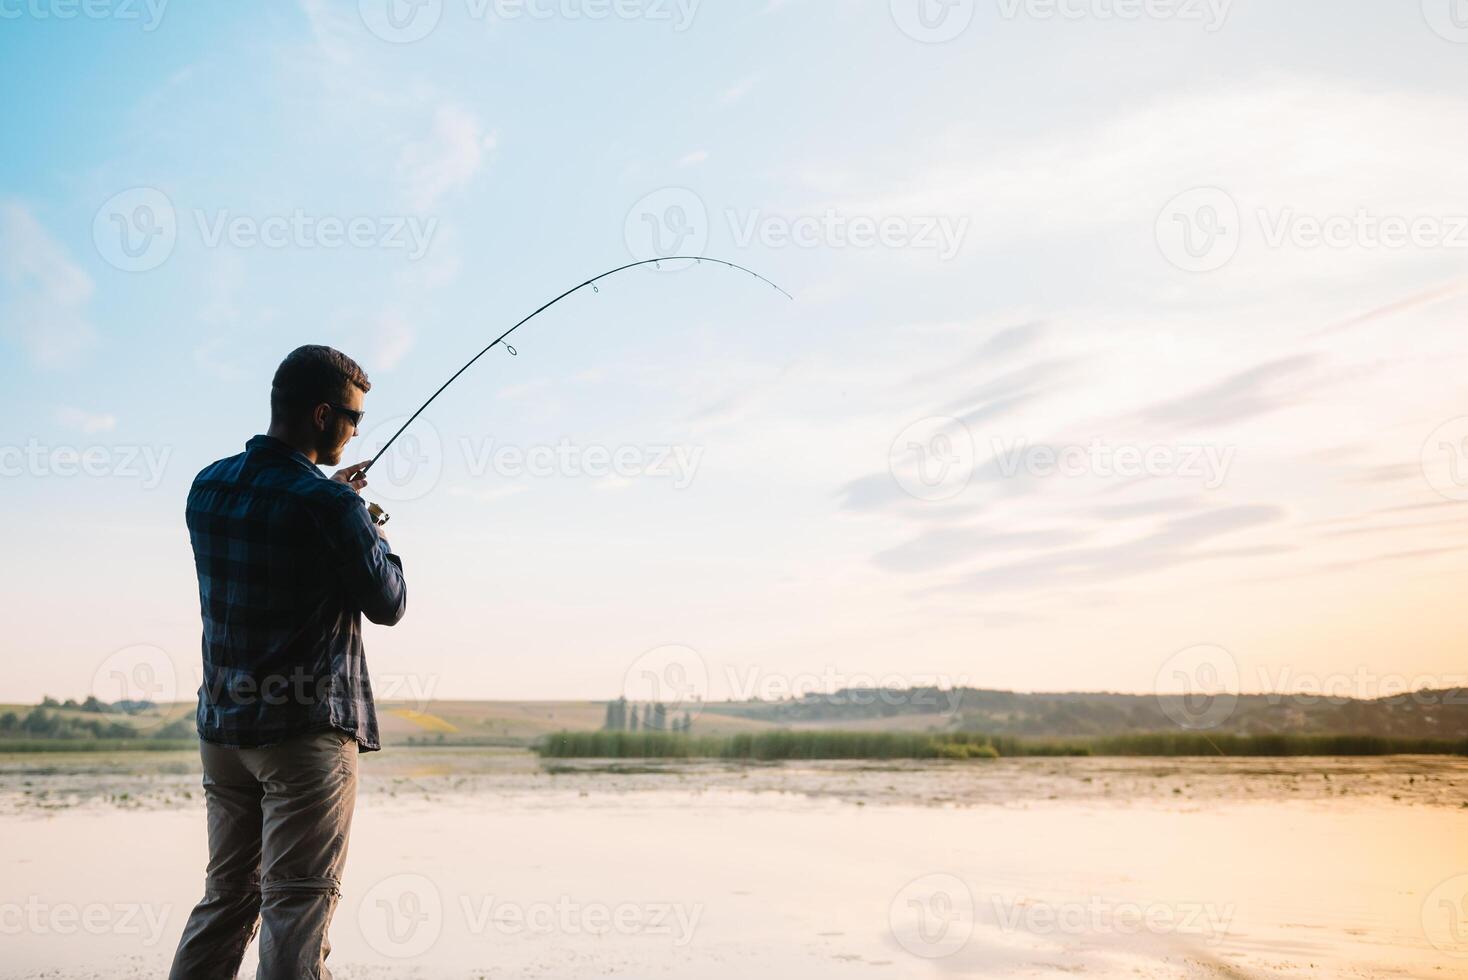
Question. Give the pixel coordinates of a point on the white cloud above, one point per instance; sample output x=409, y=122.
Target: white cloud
x=692, y=159
x=84, y=421
x=43, y=293
x=1314, y=146
x=447, y=160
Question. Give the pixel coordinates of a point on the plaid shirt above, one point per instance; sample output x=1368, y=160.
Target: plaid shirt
x=288, y=563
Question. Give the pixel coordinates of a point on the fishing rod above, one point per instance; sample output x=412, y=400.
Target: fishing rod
x=379, y=516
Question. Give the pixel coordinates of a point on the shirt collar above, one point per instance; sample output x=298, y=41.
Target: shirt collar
x=271, y=444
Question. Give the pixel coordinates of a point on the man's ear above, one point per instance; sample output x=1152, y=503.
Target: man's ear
x=320, y=415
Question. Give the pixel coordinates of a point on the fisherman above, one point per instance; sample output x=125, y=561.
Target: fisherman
x=289, y=561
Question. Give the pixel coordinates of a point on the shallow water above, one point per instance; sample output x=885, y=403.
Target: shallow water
x=467, y=865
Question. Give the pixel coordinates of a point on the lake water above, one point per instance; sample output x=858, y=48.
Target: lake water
x=469, y=864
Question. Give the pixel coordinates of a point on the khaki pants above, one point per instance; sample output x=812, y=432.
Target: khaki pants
x=279, y=818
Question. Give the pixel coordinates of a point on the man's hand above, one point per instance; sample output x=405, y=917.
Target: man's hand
x=352, y=476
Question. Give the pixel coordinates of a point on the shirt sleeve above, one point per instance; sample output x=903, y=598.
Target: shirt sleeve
x=373, y=575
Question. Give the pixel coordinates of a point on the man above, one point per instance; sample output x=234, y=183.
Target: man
x=288, y=562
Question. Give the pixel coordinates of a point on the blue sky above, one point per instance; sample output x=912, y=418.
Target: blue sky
x=1007, y=231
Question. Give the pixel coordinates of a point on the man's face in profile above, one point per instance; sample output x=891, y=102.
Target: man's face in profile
x=338, y=428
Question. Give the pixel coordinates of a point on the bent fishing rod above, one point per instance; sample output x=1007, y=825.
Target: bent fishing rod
x=379, y=516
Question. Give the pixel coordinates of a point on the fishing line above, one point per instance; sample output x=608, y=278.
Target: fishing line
x=377, y=513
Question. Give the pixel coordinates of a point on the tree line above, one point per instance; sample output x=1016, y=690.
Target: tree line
x=626, y=716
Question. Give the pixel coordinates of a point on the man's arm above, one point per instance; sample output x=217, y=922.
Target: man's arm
x=372, y=573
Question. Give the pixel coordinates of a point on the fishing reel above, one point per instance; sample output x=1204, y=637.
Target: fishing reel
x=377, y=515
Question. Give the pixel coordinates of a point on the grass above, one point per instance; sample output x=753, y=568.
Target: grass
x=766, y=746
x=1200, y=743
x=97, y=744
x=806, y=744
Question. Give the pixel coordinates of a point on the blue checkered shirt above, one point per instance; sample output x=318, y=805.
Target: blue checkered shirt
x=288, y=564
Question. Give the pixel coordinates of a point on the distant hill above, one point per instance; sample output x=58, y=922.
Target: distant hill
x=1438, y=714
x=1421, y=714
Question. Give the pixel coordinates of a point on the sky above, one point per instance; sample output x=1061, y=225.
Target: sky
x=1126, y=349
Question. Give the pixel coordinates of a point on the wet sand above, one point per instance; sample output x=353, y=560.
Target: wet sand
x=474, y=864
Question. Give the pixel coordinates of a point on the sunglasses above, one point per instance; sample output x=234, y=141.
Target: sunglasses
x=352, y=415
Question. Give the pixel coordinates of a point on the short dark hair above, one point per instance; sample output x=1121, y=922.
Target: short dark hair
x=311, y=375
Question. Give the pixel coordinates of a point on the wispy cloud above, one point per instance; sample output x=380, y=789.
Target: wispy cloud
x=942, y=547
x=447, y=159
x=1176, y=542
x=87, y=422
x=43, y=307
x=1261, y=389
